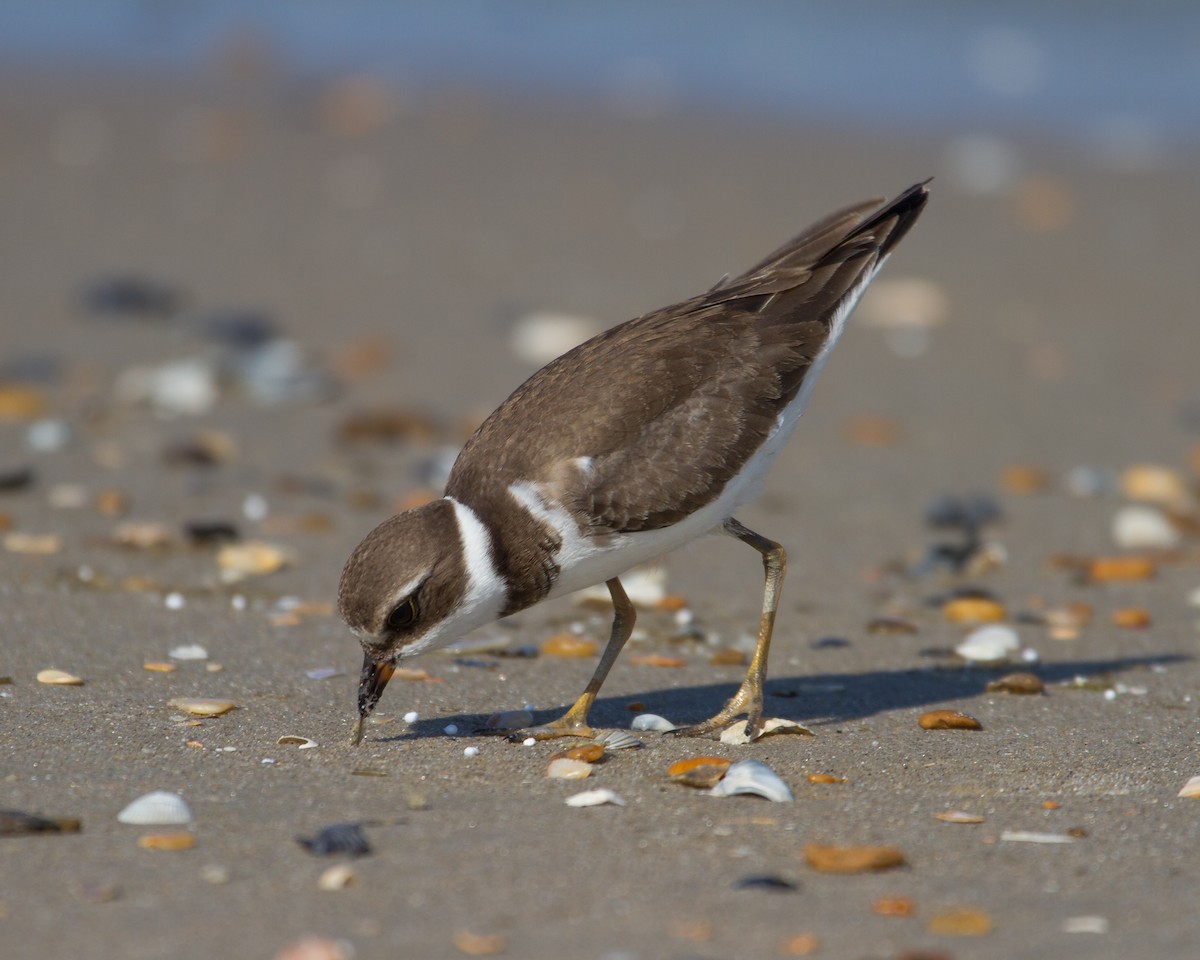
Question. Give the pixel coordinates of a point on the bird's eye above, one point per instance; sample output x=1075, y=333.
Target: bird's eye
x=404, y=615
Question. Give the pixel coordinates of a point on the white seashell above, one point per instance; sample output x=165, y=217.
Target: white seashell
x=1143, y=527
x=159, y=808
x=618, y=740
x=1029, y=836
x=736, y=733
x=1191, y=788
x=595, y=798
x=323, y=673
x=1091, y=924
x=564, y=768
x=291, y=740
x=188, y=651
x=989, y=644
x=750, y=776
x=59, y=678
x=645, y=586
x=652, y=722
x=337, y=877
x=539, y=337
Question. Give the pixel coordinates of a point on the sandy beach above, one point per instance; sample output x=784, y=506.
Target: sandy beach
x=398, y=245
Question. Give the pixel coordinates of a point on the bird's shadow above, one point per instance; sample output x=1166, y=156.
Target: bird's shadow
x=827, y=699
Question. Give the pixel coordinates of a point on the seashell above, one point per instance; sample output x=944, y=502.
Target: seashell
x=316, y=948
x=480, y=944
x=646, y=587
x=188, y=651
x=59, y=678
x=565, y=768
x=1024, y=478
x=1191, y=788
x=201, y=706
x=961, y=922
x=588, y=753
x=824, y=778
x=568, y=645
x=323, y=673
x=827, y=858
x=253, y=558
x=159, y=808
x=157, y=666
x=594, y=798
x=751, y=776
x=1143, y=527
x=1030, y=836
x=703, y=772
x=175, y=840
x=292, y=740
x=656, y=660
x=1108, y=569
x=338, y=877
x=948, y=720
x=991, y=644
x=1131, y=618
x=346, y=838
x=1152, y=483
x=652, y=722
x=142, y=535
x=893, y=907
x=959, y=816
x=736, y=733
x=974, y=610
x=32, y=543
x=216, y=874
x=1085, y=925
x=728, y=657
x=1026, y=683
x=618, y=740
x=509, y=720
x=539, y=337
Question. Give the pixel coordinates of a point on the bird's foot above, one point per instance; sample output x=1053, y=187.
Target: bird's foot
x=565, y=726
x=748, y=700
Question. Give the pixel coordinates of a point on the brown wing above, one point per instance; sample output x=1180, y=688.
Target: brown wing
x=670, y=405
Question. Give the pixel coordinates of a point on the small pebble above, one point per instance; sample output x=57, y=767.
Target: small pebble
x=470, y=751
x=450, y=729
x=412, y=716
x=948, y=720
x=174, y=601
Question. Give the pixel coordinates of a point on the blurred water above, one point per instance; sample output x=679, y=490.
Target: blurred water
x=1121, y=75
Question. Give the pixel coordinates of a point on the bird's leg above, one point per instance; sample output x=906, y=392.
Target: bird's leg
x=749, y=696
x=574, y=723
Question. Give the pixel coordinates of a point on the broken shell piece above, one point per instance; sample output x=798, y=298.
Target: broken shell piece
x=618, y=740
x=202, y=707
x=565, y=768
x=588, y=753
x=338, y=877
x=1030, y=836
x=1107, y=569
x=824, y=778
x=568, y=645
x=959, y=816
x=1191, y=788
x=157, y=666
x=973, y=610
x=705, y=772
x=827, y=858
x=1131, y=618
x=961, y=922
x=32, y=543
x=646, y=587
x=59, y=678
x=948, y=720
x=291, y=740
x=991, y=644
x=509, y=720
x=1027, y=683
x=188, y=651
x=158, y=808
x=176, y=840
x=595, y=798
x=1154, y=484
x=657, y=660
x=751, y=776
x=652, y=722
x=736, y=733
x=254, y=558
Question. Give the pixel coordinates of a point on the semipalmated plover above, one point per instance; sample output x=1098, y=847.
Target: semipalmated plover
x=622, y=449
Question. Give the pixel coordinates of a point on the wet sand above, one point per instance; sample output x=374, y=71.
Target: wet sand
x=1070, y=340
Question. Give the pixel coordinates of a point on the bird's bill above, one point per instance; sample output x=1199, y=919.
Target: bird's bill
x=375, y=676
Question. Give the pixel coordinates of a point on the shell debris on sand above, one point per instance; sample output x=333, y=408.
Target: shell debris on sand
x=1191, y=788
x=959, y=816
x=753, y=777
x=292, y=740
x=59, y=678
x=829, y=858
x=948, y=720
x=202, y=706
x=961, y=922
x=588, y=753
x=157, y=808
x=565, y=768
x=653, y=723
x=700, y=772
x=993, y=643
x=1143, y=527
x=1019, y=683
x=175, y=840
x=253, y=558
x=338, y=877
x=618, y=740
x=595, y=798
x=735, y=733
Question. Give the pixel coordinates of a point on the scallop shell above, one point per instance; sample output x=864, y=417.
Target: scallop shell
x=595, y=798
x=652, y=722
x=159, y=808
x=750, y=776
x=618, y=740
